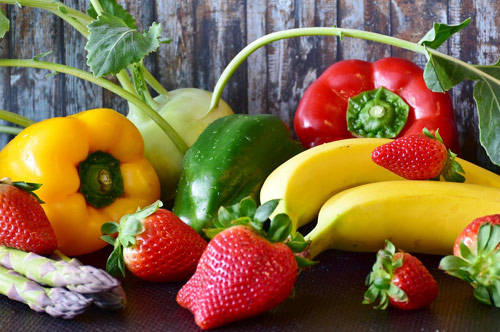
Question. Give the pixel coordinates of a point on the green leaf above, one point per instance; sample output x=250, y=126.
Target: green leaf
x=280, y=228
x=108, y=239
x=247, y=207
x=115, y=9
x=127, y=240
x=493, y=239
x=442, y=72
x=224, y=218
x=110, y=227
x=113, y=45
x=115, y=264
x=440, y=33
x=304, y=262
x=265, y=210
x=41, y=55
x=211, y=232
x=131, y=227
x=297, y=243
x=487, y=97
x=4, y=24
x=465, y=252
x=494, y=291
x=482, y=295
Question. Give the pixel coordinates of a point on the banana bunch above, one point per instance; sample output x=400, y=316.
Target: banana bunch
x=360, y=204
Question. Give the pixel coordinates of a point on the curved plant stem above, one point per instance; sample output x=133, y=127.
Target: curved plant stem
x=132, y=98
x=153, y=82
x=74, y=17
x=301, y=32
x=10, y=130
x=15, y=118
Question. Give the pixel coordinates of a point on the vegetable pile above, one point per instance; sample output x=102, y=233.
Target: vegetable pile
x=377, y=160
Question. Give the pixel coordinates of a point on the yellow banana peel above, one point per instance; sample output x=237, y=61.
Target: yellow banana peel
x=417, y=216
x=309, y=179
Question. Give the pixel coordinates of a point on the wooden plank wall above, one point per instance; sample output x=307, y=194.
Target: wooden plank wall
x=207, y=34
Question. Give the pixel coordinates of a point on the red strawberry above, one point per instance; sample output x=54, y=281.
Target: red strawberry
x=401, y=279
x=23, y=223
x=245, y=271
x=419, y=157
x=476, y=256
x=469, y=235
x=157, y=245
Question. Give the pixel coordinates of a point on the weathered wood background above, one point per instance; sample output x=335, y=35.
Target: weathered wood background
x=207, y=34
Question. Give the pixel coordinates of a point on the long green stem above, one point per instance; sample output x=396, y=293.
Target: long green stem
x=302, y=32
x=10, y=130
x=15, y=118
x=161, y=122
x=75, y=18
x=154, y=83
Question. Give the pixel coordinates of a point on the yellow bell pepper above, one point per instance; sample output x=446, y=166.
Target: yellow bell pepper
x=92, y=169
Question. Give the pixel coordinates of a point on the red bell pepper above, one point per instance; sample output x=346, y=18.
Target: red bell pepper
x=387, y=98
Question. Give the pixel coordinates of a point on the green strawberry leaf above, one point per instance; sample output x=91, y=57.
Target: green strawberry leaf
x=304, y=262
x=466, y=253
x=280, y=228
x=493, y=239
x=211, y=232
x=110, y=227
x=108, y=239
x=131, y=226
x=265, y=210
x=115, y=264
x=4, y=24
x=224, y=218
x=126, y=240
x=247, y=207
x=440, y=33
x=494, y=291
x=297, y=243
x=482, y=295
x=115, y=9
x=113, y=45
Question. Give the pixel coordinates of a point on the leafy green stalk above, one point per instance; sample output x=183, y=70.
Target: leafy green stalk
x=75, y=18
x=16, y=118
x=161, y=122
x=442, y=71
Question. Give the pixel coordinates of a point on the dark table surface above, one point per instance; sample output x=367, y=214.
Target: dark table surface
x=328, y=298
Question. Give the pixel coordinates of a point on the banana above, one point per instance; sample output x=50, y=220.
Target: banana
x=309, y=179
x=417, y=216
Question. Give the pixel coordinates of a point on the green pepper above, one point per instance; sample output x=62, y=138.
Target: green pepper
x=230, y=161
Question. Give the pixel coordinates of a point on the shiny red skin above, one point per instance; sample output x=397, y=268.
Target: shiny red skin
x=415, y=280
x=167, y=251
x=321, y=114
x=239, y=275
x=469, y=234
x=413, y=157
x=23, y=222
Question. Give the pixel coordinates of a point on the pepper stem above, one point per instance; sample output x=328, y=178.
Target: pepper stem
x=376, y=113
x=101, y=179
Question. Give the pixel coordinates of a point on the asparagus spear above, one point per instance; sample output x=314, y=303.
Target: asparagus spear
x=57, y=302
x=78, y=278
x=112, y=299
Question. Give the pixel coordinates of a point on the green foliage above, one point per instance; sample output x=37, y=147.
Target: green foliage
x=113, y=45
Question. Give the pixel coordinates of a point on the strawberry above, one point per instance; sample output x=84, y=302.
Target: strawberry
x=401, y=280
x=245, y=270
x=476, y=258
x=153, y=244
x=23, y=222
x=419, y=157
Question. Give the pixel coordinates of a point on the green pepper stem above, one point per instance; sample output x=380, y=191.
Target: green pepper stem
x=161, y=122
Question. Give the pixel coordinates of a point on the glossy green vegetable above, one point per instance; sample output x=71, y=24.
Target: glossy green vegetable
x=229, y=161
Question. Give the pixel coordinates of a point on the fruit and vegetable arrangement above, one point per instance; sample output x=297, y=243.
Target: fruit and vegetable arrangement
x=186, y=191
